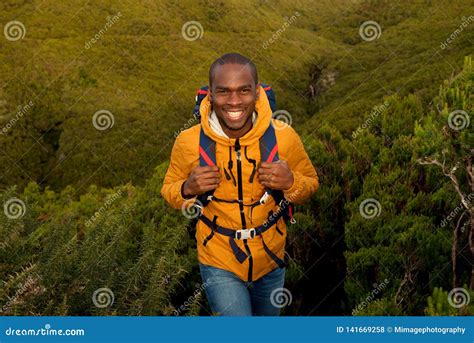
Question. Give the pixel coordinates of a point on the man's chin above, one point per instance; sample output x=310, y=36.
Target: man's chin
x=235, y=126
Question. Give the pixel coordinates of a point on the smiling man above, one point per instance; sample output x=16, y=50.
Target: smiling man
x=243, y=169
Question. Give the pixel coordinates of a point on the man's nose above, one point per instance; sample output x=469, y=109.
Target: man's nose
x=234, y=99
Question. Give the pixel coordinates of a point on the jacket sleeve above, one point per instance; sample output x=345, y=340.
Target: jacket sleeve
x=178, y=172
x=306, y=180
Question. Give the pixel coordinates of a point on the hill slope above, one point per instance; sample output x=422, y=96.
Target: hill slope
x=133, y=61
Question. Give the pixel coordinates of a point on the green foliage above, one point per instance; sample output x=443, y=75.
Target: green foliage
x=405, y=240
x=439, y=305
x=381, y=307
x=99, y=240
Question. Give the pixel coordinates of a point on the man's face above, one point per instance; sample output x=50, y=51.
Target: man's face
x=233, y=97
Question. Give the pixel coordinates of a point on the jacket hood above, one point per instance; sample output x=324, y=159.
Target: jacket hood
x=264, y=116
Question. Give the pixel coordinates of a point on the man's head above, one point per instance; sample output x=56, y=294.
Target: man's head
x=233, y=92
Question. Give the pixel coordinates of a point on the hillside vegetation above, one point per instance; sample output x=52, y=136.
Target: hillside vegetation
x=386, y=122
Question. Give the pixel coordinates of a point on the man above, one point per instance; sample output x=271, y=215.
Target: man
x=242, y=271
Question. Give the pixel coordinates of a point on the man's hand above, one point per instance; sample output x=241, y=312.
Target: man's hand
x=201, y=180
x=275, y=175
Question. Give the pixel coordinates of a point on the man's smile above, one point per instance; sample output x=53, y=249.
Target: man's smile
x=235, y=115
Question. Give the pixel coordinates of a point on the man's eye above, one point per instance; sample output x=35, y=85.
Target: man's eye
x=222, y=91
x=245, y=91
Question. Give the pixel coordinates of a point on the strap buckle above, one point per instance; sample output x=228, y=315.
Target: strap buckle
x=264, y=198
x=245, y=234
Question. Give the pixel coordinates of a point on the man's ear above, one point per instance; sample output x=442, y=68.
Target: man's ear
x=210, y=97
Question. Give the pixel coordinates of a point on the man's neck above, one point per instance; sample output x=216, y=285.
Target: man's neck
x=237, y=134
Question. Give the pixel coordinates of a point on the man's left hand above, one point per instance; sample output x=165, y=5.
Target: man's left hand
x=275, y=175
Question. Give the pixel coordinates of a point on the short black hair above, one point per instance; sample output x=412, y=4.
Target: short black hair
x=233, y=58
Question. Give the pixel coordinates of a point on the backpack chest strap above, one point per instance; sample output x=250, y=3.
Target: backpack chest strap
x=244, y=233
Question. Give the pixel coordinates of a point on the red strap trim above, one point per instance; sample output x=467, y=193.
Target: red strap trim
x=272, y=154
x=291, y=211
x=205, y=156
x=202, y=91
x=267, y=88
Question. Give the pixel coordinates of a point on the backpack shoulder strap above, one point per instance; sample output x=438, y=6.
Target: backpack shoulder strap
x=207, y=157
x=270, y=96
x=200, y=95
x=207, y=150
x=269, y=153
x=269, y=146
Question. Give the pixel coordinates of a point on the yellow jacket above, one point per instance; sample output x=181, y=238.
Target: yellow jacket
x=185, y=156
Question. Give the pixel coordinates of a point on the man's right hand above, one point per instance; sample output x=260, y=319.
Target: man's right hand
x=201, y=180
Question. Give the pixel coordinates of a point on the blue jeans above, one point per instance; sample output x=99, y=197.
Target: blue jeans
x=230, y=296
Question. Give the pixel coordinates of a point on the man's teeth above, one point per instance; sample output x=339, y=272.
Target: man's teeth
x=235, y=114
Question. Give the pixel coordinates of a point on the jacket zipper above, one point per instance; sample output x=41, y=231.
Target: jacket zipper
x=241, y=206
